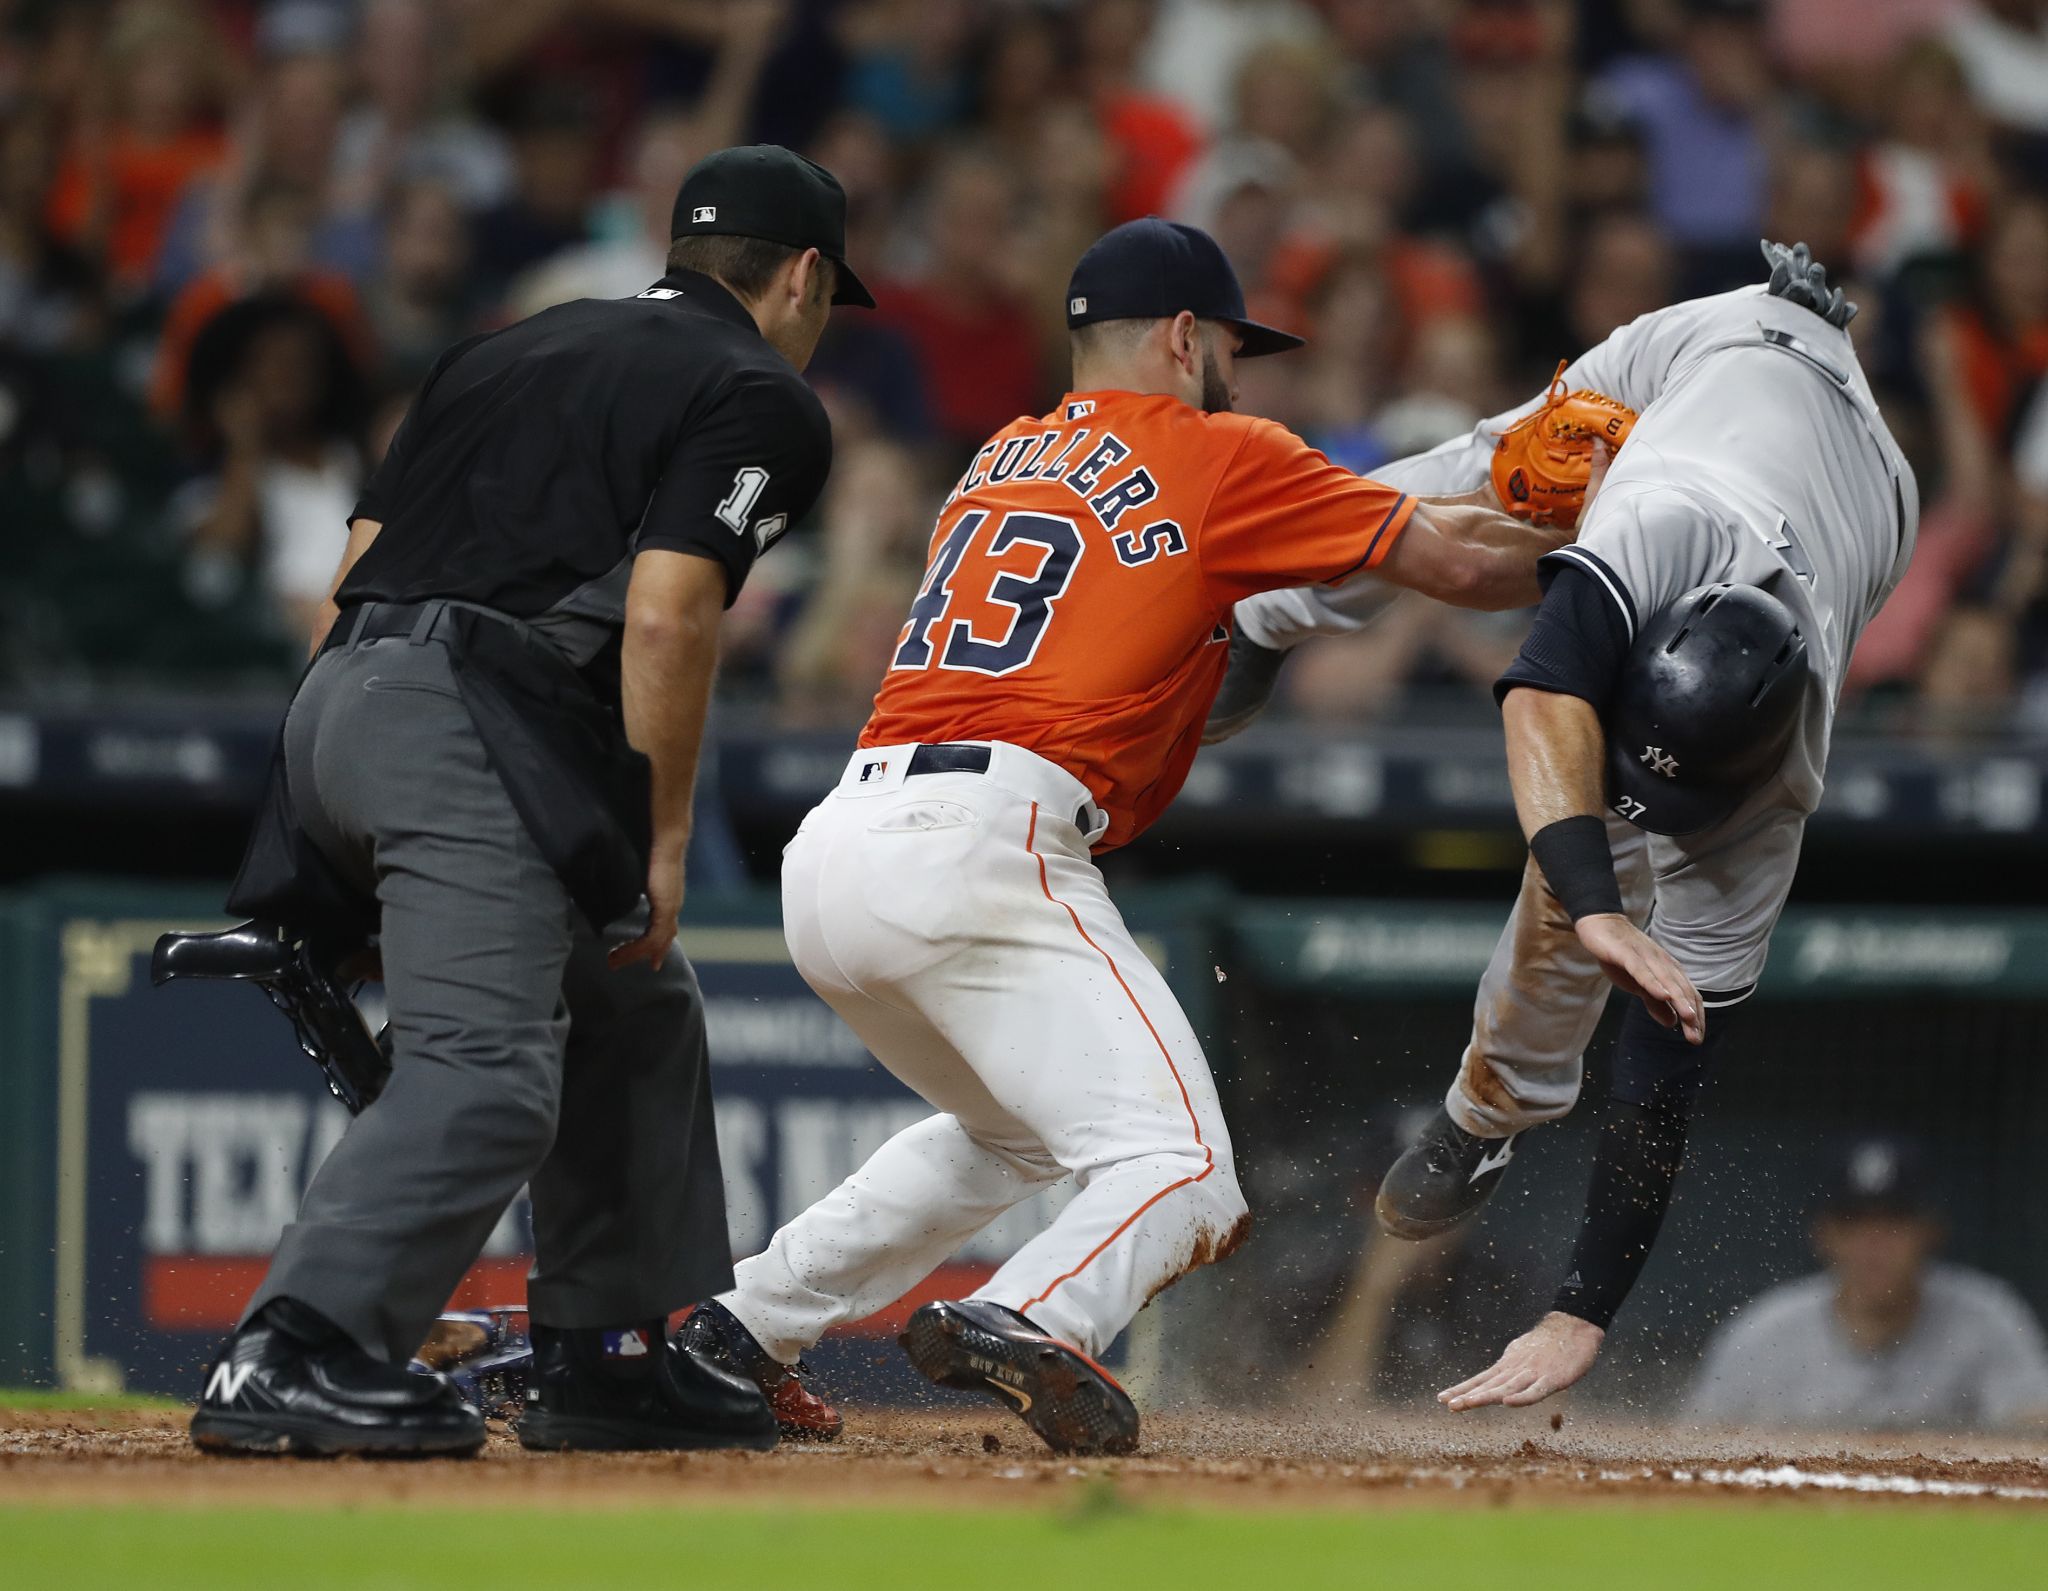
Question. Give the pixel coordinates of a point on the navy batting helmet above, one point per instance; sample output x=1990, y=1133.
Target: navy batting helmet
x=1705, y=708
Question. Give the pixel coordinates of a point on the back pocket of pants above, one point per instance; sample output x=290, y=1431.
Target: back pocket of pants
x=385, y=684
x=923, y=817
x=918, y=871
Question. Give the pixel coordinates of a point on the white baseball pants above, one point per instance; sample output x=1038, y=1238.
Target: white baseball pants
x=958, y=925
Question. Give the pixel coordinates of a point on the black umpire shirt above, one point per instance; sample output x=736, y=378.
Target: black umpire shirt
x=537, y=460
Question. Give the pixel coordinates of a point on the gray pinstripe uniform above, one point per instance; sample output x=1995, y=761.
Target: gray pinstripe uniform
x=1759, y=458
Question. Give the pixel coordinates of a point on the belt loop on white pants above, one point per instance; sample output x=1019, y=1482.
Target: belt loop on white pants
x=873, y=770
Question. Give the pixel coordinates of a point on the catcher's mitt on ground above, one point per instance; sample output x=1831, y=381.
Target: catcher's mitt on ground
x=1541, y=462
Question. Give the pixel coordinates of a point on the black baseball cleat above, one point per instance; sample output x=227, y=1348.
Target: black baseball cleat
x=715, y=1333
x=1247, y=686
x=1441, y=1179
x=632, y=1390
x=1073, y=1404
x=291, y=1381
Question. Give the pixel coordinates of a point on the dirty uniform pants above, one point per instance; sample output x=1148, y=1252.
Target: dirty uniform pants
x=959, y=926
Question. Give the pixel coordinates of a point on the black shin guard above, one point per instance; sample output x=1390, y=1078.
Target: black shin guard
x=1641, y=1144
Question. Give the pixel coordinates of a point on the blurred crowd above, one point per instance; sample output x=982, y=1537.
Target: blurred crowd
x=234, y=233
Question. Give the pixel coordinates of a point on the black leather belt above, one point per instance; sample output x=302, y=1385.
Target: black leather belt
x=957, y=758
x=948, y=759
x=417, y=621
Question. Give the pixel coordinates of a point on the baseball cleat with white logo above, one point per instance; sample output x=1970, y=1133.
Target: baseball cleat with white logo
x=1073, y=1404
x=1442, y=1179
x=290, y=1381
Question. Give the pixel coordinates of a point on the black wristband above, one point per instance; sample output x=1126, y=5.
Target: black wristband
x=1578, y=865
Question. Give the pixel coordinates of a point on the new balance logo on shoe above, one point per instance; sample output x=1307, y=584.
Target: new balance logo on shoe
x=226, y=1383
x=1494, y=1161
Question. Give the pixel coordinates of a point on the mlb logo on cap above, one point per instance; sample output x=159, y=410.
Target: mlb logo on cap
x=765, y=191
x=1154, y=270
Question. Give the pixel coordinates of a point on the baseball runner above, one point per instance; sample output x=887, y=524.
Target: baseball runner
x=1043, y=705
x=1667, y=732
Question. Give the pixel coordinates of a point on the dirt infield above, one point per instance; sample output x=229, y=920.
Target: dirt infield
x=976, y=1458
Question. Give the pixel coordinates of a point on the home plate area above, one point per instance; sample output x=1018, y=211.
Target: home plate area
x=962, y=1454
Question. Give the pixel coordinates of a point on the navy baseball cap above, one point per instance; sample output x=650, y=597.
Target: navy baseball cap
x=1882, y=1175
x=768, y=192
x=1154, y=269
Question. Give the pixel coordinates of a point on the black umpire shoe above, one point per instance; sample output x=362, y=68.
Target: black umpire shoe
x=1247, y=686
x=291, y=1381
x=634, y=1390
x=1073, y=1404
x=715, y=1333
x=1441, y=1179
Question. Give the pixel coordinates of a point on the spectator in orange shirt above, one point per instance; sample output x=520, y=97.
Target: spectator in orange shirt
x=131, y=157
x=2000, y=332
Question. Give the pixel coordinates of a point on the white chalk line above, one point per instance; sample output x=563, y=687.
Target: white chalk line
x=1784, y=1477
x=1792, y=1478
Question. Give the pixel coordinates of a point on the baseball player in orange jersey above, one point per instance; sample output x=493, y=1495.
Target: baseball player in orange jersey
x=1044, y=702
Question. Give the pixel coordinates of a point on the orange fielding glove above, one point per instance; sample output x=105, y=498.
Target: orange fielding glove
x=1541, y=462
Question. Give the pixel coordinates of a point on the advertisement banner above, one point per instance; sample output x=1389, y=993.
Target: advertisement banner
x=187, y=1123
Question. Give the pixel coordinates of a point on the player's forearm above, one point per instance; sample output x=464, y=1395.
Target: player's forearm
x=1557, y=757
x=361, y=533
x=1469, y=557
x=1476, y=519
x=1653, y=1088
x=1636, y=1158
x=1478, y=497
x=667, y=662
x=1557, y=764
x=1504, y=547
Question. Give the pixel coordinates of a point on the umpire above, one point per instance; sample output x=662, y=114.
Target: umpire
x=491, y=762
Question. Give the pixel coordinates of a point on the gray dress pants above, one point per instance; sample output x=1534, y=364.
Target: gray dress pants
x=519, y=1056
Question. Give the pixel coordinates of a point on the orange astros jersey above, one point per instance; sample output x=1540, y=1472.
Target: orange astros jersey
x=1078, y=597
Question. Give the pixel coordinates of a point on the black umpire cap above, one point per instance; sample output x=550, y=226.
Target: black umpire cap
x=768, y=192
x=1154, y=269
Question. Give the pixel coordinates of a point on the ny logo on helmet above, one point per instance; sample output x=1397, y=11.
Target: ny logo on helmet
x=1658, y=760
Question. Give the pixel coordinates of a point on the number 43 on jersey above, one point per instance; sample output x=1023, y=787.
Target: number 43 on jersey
x=936, y=633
